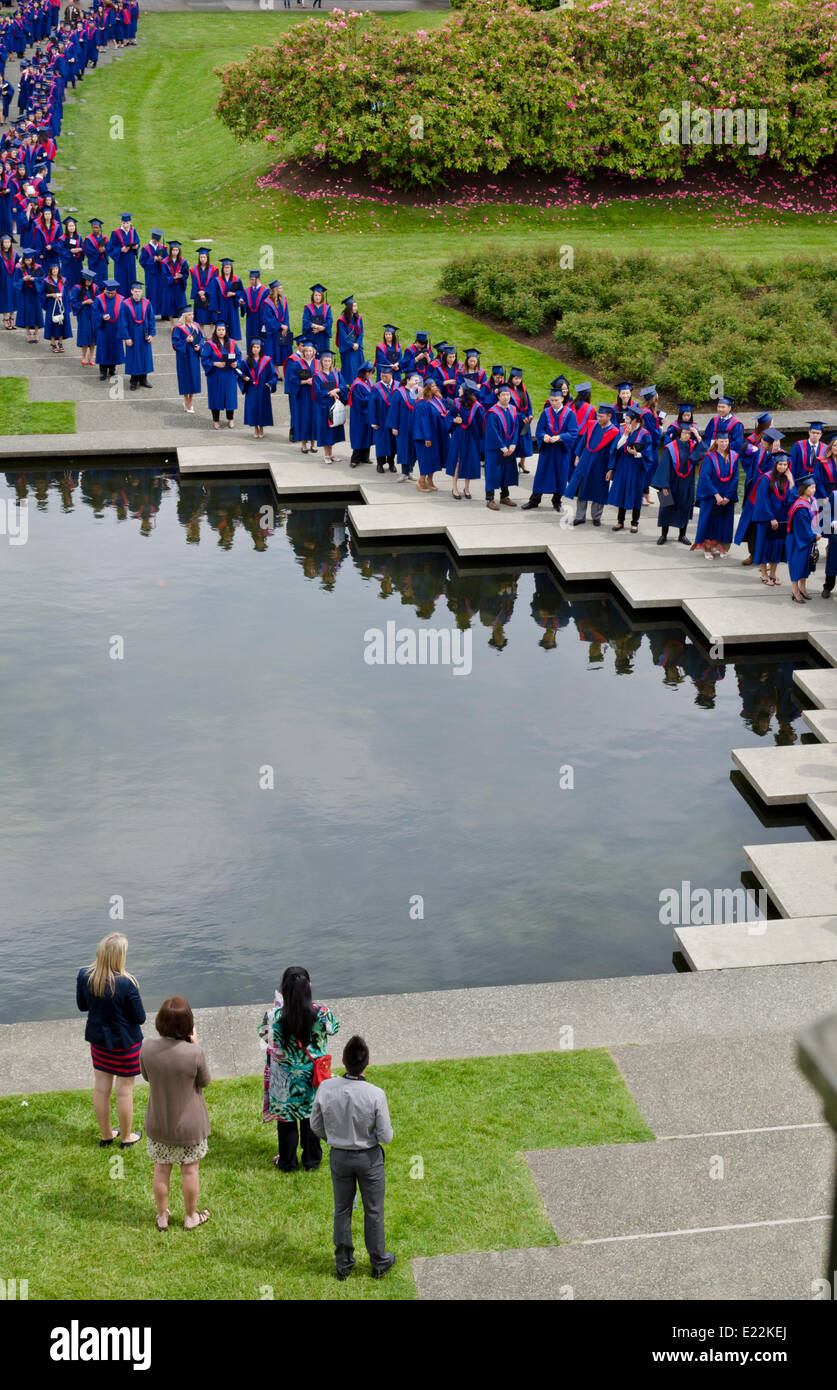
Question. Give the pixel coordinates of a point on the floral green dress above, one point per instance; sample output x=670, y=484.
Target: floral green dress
x=289, y=1070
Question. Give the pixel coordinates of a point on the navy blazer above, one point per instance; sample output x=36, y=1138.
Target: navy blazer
x=113, y=1021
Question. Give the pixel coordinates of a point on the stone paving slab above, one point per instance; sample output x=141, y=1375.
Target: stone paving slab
x=237, y=457
x=516, y=1018
x=823, y=723
x=738, y=945
x=757, y=1263
x=819, y=686
x=702, y=1085
x=824, y=805
x=801, y=879
x=769, y=617
x=637, y=1189
x=826, y=644
x=785, y=776
x=645, y=588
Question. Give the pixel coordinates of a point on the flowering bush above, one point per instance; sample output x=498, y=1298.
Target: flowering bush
x=763, y=327
x=579, y=89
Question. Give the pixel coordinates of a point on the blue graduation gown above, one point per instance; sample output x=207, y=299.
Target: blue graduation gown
x=360, y=402
x=109, y=350
x=95, y=255
x=224, y=295
x=400, y=421
x=258, y=384
x=501, y=427
x=522, y=401
x=324, y=383
x=553, y=468
x=221, y=378
x=350, y=347
x=187, y=356
x=71, y=254
x=431, y=426
x=318, y=314
x=123, y=249
x=175, y=279
x=200, y=280
x=630, y=473
x=676, y=473
x=734, y=429
x=28, y=299
x=466, y=442
x=391, y=355
x=756, y=466
x=801, y=535
x=803, y=458
x=380, y=401
x=136, y=321
x=251, y=308
x=717, y=475
x=8, y=265
x=588, y=482
x=276, y=321
x=151, y=259
x=825, y=476
x=771, y=504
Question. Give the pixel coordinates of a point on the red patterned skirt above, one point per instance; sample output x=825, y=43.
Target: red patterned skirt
x=121, y=1062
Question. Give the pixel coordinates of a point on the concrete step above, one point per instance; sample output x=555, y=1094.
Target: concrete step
x=738, y=945
x=785, y=776
x=801, y=879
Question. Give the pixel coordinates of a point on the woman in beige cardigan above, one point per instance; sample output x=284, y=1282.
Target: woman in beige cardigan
x=177, y=1120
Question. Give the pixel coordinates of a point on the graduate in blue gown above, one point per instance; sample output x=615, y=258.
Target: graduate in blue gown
x=95, y=251
x=221, y=362
x=522, y=401
x=400, y=422
x=9, y=261
x=501, y=426
x=123, y=249
x=634, y=460
x=556, y=433
x=350, y=340
x=151, y=258
x=418, y=356
x=251, y=306
x=380, y=403
x=446, y=373
x=685, y=416
x=826, y=488
x=675, y=480
x=328, y=388
x=825, y=469
x=775, y=495
x=624, y=398
x=106, y=309
x=201, y=275
x=753, y=446
x=360, y=402
x=431, y=427
x=276, y=326
x=27, y=278
x=70, y=248
x=388, y=352
x=258, y=381
x=755, y=462
x=801, y=538
x=136, y=329
x=588, y=482
x=224, y=292
x=727, y=423
x=299, y=379
x=470, y=368
x=466, y=442
x=806, y=452
x=317, y=319
x=717, y=491
x=187, y=341
x=55, y=299
x=175, y=282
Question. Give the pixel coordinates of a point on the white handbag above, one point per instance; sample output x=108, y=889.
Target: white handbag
x=336, y=413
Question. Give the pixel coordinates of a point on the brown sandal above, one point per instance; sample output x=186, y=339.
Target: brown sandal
x=202, y=1216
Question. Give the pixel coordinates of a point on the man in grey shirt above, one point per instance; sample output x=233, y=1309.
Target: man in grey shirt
x=352, y=1116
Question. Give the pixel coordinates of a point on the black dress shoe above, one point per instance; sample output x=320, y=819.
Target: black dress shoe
x=384, y=1269
x=579, y=521
x=291, y=437
x=684, y=540
x=556, y=502
x=344, y=1273
x=661, y=541
x=133, y=386
x=380, y=468
x=597, y=521
x=530, y=506
x=147, y=385
x=391, y=466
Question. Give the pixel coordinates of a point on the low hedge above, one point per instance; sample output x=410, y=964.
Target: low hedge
x=580, y=89
x=763, y=327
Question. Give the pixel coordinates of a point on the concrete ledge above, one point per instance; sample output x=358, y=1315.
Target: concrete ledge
x=801, y=879
x=823, y=723
x=819, y=686
x=785, y=776
x=737, y=945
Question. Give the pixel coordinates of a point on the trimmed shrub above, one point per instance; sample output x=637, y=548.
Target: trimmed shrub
x=582, y=89
x=763, y=327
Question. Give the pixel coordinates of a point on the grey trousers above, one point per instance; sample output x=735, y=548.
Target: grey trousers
x=364, y=1169
x=596, y=507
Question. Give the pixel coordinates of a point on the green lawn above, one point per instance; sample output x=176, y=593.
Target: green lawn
x=74, y=1231
x=178, y=168
x=18, y=415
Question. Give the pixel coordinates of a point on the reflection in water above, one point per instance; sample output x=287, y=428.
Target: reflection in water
x=141, y=779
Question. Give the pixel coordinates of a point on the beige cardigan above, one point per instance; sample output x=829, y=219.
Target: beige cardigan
x=177, y=1073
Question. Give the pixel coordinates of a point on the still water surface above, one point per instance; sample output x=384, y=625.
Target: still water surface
x=244, y=648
